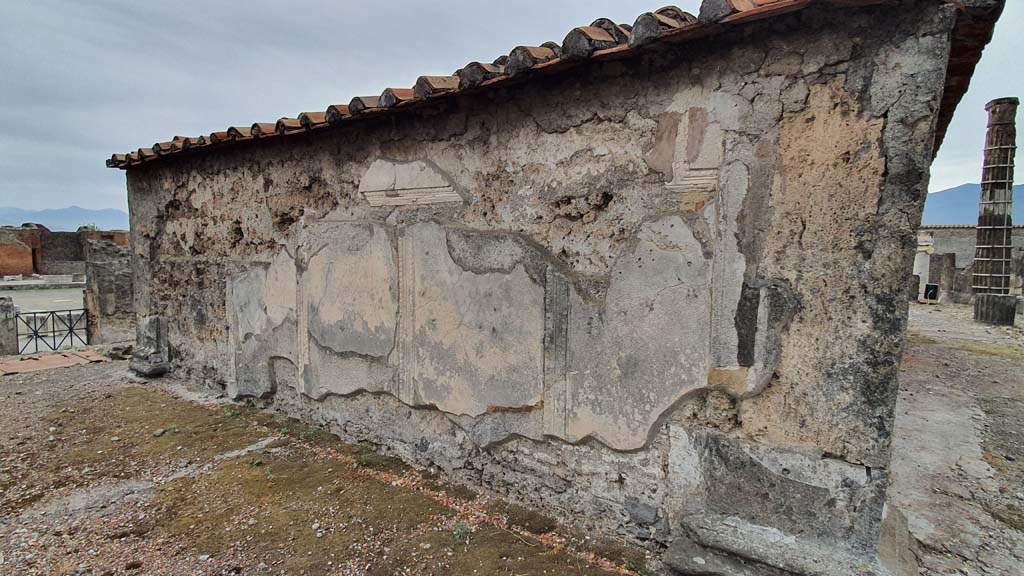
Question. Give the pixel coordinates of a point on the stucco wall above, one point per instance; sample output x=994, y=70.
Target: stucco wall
x=664, y=296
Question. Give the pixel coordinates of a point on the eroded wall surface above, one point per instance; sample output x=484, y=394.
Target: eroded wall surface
x=664, y=296
x=108, y=291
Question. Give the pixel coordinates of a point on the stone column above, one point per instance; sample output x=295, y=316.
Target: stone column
x=992, y=257
x=995, y=223
x=996, y=309
x=942, y=271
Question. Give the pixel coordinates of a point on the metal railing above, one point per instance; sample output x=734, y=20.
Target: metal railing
x=54, y=330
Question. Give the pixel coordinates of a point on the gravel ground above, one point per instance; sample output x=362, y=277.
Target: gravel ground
x=103, y=474
x=958, y=449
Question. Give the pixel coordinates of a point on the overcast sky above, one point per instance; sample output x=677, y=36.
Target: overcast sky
x=81, y=80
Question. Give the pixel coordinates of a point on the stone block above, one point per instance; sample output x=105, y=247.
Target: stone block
x=8, y=327
x=150, y=357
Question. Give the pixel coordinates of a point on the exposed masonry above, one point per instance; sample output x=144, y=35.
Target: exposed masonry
x=603, y=293
x=108, y=291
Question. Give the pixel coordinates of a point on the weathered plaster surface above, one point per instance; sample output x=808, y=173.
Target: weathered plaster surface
x=664, y=297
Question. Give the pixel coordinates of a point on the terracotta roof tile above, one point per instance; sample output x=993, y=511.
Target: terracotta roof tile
x=361, y=104
x=757, y=9
x=602, y=40
x=310, y=120
x=243, y=132
x=392, y=97
x=523, y=58
x=475, y=73
x=117, y=160
x=674, y=13
x=581, y=42
x=193, y=142
x=285, y=125
x=261, y=130
x=427, y=86
x=648, y=27
x=337, y=112
x=163, y=147
x=48, y=362
x=217, y=137
x=620, y=33
x=717, y=10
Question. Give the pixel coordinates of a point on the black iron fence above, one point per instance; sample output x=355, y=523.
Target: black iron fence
x=55, y=330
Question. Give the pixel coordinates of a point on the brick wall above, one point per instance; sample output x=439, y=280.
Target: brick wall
x=15, y=255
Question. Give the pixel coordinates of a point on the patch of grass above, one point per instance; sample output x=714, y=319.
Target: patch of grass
x=620, y=554
x=638, y=567
x=310, y=434
x=996, y=350
x=990, y=350
x=434, y=482
x=363, y=455
x=1012, y=518
x=265, y=506
x=920, y=339
x=524, y=518
x=461, y=533
x=285, y=496
x=85, y=448
x=492, y=551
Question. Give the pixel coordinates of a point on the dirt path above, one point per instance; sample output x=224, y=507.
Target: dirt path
x=958, y=449
x=101, y=475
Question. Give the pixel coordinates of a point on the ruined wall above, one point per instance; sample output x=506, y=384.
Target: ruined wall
x=664, y=296
x=32, y=249
x=108, y=290
x=15, y=255
x=62, y=253
x=961, y=241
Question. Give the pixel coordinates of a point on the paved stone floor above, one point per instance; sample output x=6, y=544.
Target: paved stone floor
x=46, y=300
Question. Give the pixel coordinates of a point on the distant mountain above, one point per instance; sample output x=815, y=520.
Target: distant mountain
x=66, y=219
x=960, y=205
